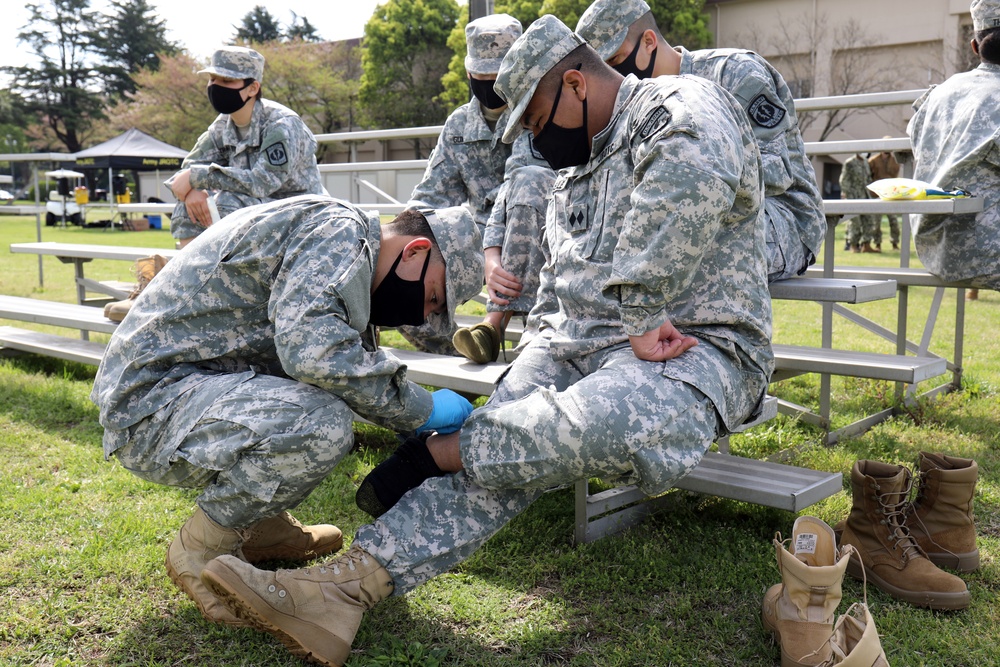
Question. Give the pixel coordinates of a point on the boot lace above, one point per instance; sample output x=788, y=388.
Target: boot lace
x=893, y=518
x=348, y=560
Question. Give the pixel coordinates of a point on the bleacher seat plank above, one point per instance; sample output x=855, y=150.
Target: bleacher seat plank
x=51, y=345
x=847, y=288
x=838, y=290
x=909, y=277
x=790, y=360
x=739, y=478
x=455, y=373
x=55, y=313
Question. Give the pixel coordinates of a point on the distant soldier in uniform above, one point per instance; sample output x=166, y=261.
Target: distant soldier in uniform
x=241, y=365
x=654, y=340
x=884, y=165
x=862, y=230
x=505, y=186
x=625, y=33
x=955, y=134
x=254, y=152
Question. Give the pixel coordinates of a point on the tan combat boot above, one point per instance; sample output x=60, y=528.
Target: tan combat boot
x=283, y=537
x=799, y=611
x=479, y=344
x=940, y=518
x=315, y=612
x=855, y=641
x=890, y=555
x=199, y=541
x=145, y=269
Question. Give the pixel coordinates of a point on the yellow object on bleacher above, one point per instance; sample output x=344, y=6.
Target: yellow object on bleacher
x=909, y=188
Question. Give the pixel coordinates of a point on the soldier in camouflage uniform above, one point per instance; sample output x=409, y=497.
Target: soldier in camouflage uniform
x=884, y=165
x=255, y=151
x=241, y=365
x=505, y=186
x=625, y=33
x=862, y=230
x=655, y=338
x=955, y=134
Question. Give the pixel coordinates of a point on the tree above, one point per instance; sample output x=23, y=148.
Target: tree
x=12, y=137
x=258, y=27
x=131, y=38
x=318, y=81
x=455, y=86
x=169, y=103
x=61, y=90
x=680, y=21
x=404, y=56
x=302, y=29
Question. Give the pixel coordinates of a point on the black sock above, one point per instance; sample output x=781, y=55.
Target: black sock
x=405, y=469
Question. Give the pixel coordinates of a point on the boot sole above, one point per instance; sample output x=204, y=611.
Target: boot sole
x=179, y=583
x=931, y=599
x=242, y=601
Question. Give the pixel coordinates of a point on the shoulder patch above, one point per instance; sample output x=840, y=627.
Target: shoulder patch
x=764, y=112
x=456, y=138
x=276, y=154
x=655, y=121
x=535, y=153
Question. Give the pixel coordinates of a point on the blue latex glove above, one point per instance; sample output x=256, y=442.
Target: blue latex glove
x=450, y=411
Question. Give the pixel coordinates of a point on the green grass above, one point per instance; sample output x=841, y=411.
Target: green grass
x=82, y=541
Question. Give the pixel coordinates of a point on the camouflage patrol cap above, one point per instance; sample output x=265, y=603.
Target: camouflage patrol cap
x=985, y=14
x=542, y=46
x=458, y=239
x=605, y=24
x=236, y=62
x=487, y=41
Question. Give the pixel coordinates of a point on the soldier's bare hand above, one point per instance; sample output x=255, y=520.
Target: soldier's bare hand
x=196, y=203
x=501, y=284
x=664, y=342
x=180, y=184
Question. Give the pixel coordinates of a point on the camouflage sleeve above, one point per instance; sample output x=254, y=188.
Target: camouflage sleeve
x=286, y=145
x=317, y=313
x=685, y=186
x=205, y=150
x=522, y=155
x=546, y=302
x=442, y=184
x=752, y=84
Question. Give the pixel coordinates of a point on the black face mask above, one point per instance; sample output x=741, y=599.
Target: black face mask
x=483, y=91
x=560, y=146
x=227, y=100
x=628, y=65
x=396, y=302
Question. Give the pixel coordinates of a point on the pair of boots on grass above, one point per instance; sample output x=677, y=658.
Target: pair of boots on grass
x=897, y=543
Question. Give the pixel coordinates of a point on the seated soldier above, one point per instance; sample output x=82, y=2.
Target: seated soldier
x=955, y=133
x=255, y=151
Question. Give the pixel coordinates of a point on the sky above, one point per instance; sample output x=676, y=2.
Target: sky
x=201, y=26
